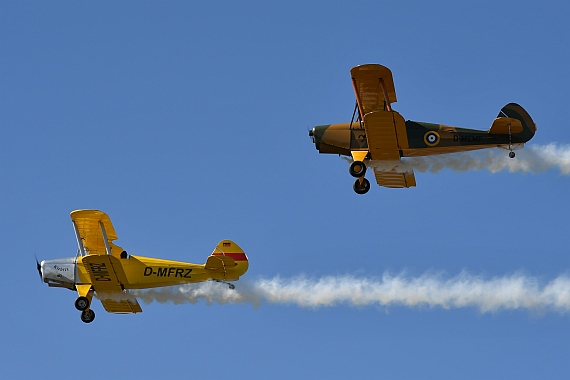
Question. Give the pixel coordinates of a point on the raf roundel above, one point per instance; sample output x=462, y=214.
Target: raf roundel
x=431, y=138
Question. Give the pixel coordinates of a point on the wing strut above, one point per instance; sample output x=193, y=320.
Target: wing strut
x=79, y=241
x=354, y=114
x=386, y=99
x=107, y=248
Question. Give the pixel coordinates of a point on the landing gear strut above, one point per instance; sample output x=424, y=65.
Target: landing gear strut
x=511, y=153
x=231, y=286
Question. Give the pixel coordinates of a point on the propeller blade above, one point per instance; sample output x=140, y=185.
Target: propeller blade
x=39, y=267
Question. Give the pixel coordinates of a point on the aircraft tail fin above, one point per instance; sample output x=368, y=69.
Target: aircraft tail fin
x=515, y=120
x=229, y=258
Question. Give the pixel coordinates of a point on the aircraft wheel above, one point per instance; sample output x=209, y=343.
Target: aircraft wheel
x=361, y=188
x=81, y=303
x=87, y=316
x=357, y=169
x=512, y=154
x=232, y=286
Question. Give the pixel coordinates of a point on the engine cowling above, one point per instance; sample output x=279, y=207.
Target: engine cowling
x=59, y=272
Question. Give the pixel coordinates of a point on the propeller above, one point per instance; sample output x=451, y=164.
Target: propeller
x=39, y=267
x=311, y=132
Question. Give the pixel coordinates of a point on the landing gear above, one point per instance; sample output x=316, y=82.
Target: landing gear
x=511, y=153
x=81, y=303
x=357, y=169
x=361, y=186
x=87, y=316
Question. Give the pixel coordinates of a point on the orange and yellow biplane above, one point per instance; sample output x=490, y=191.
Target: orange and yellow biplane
x=105, y=269
x=380, y=134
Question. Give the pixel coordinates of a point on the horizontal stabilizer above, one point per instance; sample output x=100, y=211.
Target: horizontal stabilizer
x=513, y=111
x=219, y=263
x=505, y=125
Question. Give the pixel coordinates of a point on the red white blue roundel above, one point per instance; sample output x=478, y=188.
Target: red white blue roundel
x=431, y=138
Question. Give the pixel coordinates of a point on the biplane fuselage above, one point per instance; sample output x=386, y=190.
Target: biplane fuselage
x=134, y=272
x=105, y=269
x=382, y=134
x=343, y=139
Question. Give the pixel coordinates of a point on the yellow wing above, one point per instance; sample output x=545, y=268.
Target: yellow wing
x=119, y=301
x=95, y=232
x=394, y=179
x=373, y=88
x=107, y=278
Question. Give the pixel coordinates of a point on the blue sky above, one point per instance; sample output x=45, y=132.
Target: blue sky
x=187, y=123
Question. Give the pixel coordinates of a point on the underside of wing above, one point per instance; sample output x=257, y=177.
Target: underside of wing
x=107, y=278
x=104, y=270
x=115, y=300
x=95, y=231
x=395, y=179
x=373, y=88
x=382, y=137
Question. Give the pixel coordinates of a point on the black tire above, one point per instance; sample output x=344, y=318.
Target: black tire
x=87, y=316
x=361, y=188
x=82, y=303
x=231, y=286
x=357, y=169
x=512, y=154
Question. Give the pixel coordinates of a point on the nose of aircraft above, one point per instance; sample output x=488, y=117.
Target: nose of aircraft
x=316, y=135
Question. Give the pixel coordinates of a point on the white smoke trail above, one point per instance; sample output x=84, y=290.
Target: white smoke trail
x=531, y=159
x=464, y=290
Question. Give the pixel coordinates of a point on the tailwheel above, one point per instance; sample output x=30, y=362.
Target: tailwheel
x=357, y=169
x=512, y=154
x=81, y=303
x=231, y=286
x=87, y=316
x=361, y=186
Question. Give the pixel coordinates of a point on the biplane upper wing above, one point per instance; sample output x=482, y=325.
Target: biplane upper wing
x=95, y=233
x=373, y=87
x=107, y=277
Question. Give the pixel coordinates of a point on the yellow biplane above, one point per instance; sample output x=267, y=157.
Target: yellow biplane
x=380, y=135
x=105, y=269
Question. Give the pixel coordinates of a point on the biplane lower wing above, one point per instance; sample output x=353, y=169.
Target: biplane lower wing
x=395, y=179
x=116, y=300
